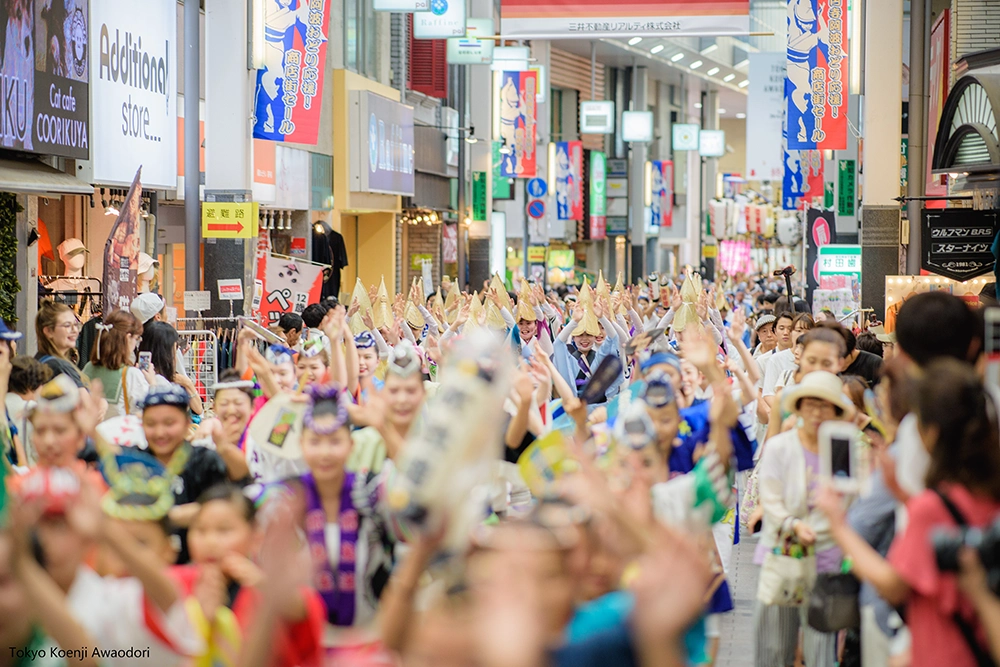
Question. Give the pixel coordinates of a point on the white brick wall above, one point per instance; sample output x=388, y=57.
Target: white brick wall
x=975, y=26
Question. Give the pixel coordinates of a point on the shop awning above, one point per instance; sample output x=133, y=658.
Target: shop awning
x=968, y=140
x=37, y=178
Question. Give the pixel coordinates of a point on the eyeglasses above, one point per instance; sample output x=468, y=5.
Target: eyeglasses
x=72, y=326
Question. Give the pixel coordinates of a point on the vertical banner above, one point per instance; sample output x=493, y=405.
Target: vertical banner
x=817, y=74
x=289, y=286
x=940, y=66
x=518, y=124
x=569, y=180
x=662, y=204
x=289, y=93
x=765, y=112
x=597, y=199
x=803, y=179
x=821, y=230
x=121, y=252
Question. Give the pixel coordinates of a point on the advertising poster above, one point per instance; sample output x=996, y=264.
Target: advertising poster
x=289, y=286
x=597, y=200
x=816, y=83
x=662, y=204
x=289, y=92
x=569, y=180
x=518, y=111
x=940, y=61
x=121, y=252
x=765, y=112
x=46, y=75
x=135, y=106
x=589, y=19
x=821, y=230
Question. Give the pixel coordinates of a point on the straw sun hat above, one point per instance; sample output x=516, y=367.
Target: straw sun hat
x=822, y=385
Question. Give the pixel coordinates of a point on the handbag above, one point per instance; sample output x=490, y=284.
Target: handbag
x=788, y=573
x=751, y=498
x=833, y=603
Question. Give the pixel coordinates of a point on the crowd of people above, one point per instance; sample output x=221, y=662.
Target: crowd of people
x=510, y=477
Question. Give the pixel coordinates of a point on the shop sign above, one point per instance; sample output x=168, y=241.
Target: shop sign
x=479, y=196
x=940, y=65
x=46, y=100
x=536, y=254
x=501, y=184
x=709, y=251
x=816, y=83
x=417, y=260
x=956, y=243
x=265, y=181
x=765, y=113
x=847, y=196
x=382, y=155
x=597, y=202
x=840, y=260
x=446, y=18
x=289, y=95
x=662, y=202
x=402, y=5
x=197, y=301
x=518, y=120
x=228, y=220
x=592, y=19
x=470, y=50
x=134, y=92
x=230, y=289
x=821, y=230
x=569, y=180
x=617, y=226
x=685, y=136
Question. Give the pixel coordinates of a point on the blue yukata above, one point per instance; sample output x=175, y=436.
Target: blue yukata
x=577, y=367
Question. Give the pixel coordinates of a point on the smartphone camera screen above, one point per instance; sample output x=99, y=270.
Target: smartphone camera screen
x=840, y=457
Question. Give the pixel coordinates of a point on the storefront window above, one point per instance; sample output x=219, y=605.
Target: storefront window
x=351, y=33
x=361, y=40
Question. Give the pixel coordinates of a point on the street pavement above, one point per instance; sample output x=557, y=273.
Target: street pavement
x=736, y=648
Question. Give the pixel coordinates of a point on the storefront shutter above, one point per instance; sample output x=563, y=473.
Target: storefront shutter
x=428, y=65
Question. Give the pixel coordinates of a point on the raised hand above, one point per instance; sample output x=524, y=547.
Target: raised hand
x=355, y=307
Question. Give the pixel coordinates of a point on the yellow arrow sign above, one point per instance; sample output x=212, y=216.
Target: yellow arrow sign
x=227, y=220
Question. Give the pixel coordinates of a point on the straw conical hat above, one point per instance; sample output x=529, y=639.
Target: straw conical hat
x=476, y=312
x=501, y=289
x=360, y=295
x=720, y=301
x=451, y=290
x=524, y=309
x=619, y=289
x=382, y=310
x=412, y=316
x=589, y=324
x=601, y=289
x=690, y=290
x=687, y=314
x=494, y=320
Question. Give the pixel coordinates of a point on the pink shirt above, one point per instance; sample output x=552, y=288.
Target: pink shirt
x=935, y=595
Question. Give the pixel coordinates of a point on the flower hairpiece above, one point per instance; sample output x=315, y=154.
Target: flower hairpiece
x=328, y=393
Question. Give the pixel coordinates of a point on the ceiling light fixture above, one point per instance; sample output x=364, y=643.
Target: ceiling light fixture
x=729, y=77
x=722, y=111
x=697, y=105
x=634, y=41
x=744, y=83
x=713, y=71
x=656, y=49
x=696, y=64
x=743, y=63
x=741, y=116
x=677, y=57
x=708, y=49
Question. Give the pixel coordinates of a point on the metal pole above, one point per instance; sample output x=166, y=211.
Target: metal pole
x=192, y=146
x=460, y=230
x=525, y=241
x=917, y=149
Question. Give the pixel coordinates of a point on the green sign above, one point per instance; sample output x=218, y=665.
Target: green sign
x=847, y=195
x=598, y=184
x=501, y=185
x=417, y=260
x=828, y=194
x=479, y=196
x=840, y=260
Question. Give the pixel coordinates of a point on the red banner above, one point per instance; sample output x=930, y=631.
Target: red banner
x=289, y=286
x=518, y=120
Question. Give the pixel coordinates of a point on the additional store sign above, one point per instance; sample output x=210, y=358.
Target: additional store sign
x=382, y=157
x=536, y=254
x=479, y=196
x=592, y=19
x=46, y=71
x=685, y=136
x=956, y=243
x=289, y=94
x=816, y=84
x=765, y=113
x=662, y=202
x=597, y=202
x=510, y=59
x=821, y=230
x=230, y=289
x=501, y=184
x=134, y=103
x=712, y=143
x=470, y=50
x=289, y=286
x=637, y=126
x=446, y=18
x=227, y=220
x=847, y=194
x=940, y=63
x=536, y=209
x=402, y=5
x=597, y=117
x=121, y=252
x=297, y=247
x=536, y=188
x=569, y=180
x=617, y=226
x=197, y=301
x=417, y=260
x=518, y=121
x=840, y=260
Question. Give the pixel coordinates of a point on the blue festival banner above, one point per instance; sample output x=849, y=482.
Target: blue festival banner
x=816, y=83
x=289, y=95
x=569, y=180
x=518, y=123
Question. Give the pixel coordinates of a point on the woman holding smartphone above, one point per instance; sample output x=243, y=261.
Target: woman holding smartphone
x=789, y=477
x=125, y=386
x=160, y=340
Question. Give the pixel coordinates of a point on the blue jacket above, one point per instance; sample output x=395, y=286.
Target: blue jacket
x=568, y=367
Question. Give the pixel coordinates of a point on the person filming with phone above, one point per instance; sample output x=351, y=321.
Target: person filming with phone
x=112, y=361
